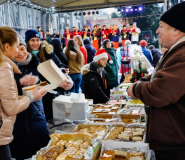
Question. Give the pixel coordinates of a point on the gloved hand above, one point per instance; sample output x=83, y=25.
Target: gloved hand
x=28, y=80
x=35, y=94
x=67, y=84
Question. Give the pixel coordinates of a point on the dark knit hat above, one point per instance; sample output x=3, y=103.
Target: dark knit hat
x=175, y=16
x=31, y=34
x=105, y=42
x=86, y=41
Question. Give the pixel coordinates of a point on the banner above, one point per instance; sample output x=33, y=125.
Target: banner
x=118, y=21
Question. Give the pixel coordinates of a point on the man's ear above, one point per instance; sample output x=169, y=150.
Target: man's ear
x=176, y=32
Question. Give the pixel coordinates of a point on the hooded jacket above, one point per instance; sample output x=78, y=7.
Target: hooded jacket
x=10, y=103
x=164, y=92
x=112, y=69
x=73, y=64
x=30, y=129
x=56, y=42
x=95, y=86
x=90, y=52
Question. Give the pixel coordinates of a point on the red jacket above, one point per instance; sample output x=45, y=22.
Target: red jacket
x=65, y=34
x=88, y=33
x=74, y=33
x=104, y=34
x=84, y=52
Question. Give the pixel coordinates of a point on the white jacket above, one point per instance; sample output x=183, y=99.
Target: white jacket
x=136, y=37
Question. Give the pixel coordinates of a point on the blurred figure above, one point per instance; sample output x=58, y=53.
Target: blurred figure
x=155, y=54
x=76, y=62
x=111, y=67
x=55, y=34
x=62, y=41
x=146, y=51
x=67, y=35
x=95, y=34
x=90, y=50
x=86, y=32
x=124, y=35
x=115, y=36
x=110, y=31
x=56, y=42
x=48, y=36
x=135, y=33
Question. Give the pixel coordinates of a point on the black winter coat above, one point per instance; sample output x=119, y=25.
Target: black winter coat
x=156, y=56
x=95, y=86
x=30, y=128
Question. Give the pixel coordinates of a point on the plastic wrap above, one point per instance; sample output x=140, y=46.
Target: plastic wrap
x=66, y=84
x=29, y=80
x=89, y=153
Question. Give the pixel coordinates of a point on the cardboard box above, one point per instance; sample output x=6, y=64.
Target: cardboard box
x=63, y=107
x=115, y=145
x=135, y=117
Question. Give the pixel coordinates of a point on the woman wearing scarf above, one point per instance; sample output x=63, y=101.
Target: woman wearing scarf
x=44, y=52
x=95, y=34
x=111, y=68
x=115, y=36
x=30, y=129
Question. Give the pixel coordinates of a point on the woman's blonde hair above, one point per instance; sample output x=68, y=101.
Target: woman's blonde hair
x=80, y=41
x=72, y=46
x=41, y=51
x=7, y=35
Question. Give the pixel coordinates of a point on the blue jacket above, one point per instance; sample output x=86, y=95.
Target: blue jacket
x=30, y=129
x=116, y=38
x=90, y=52
x=147, y=54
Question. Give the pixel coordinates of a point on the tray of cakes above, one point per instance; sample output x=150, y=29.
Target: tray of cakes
x=124, y=151
x=104, y=109
x=129, y=133
x=133, y=107
x=113, y=120
x=73, y=146
x=98, y=130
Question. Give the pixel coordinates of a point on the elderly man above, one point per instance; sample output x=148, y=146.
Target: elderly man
x=164, y=91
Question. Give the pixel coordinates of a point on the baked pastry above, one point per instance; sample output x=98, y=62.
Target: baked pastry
x=139, y=133
x=124, y=136
x=48, y=158
x=107, y=155
x=58, y=149
x=61, y=157
x=50, y=154
x=61, y=143
x=85, y=130
x=135, y=154
x=129, y=129
x=137, y=158
x=139, y=129
x=44, y=83
x=137, y=138
x=120, y=155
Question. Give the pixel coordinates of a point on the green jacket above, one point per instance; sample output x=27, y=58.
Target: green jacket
x=112, y=69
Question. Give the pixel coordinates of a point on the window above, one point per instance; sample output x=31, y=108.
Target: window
x=37, y=21
x=17, y=18
x=29, y=20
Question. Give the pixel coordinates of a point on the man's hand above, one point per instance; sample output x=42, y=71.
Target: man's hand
x=129, y=92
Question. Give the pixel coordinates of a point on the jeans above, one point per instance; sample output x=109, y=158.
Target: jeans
x=170, y=154
x=5, y=153
x=77, y=78
x=82, y=85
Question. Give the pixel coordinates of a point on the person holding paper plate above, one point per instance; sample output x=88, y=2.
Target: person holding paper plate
x=44, y=52
x=10, y=103
x=30, y=129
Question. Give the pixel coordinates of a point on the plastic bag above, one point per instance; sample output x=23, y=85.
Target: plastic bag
x=29, y=80
x=78, y=97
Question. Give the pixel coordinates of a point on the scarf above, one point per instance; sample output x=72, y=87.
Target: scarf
x=25, y=62
x=35, y=52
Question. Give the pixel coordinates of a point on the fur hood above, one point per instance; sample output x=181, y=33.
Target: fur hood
x=48, y=47
x=85, y=69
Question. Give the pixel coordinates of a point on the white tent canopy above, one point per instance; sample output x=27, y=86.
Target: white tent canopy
x=73, y=5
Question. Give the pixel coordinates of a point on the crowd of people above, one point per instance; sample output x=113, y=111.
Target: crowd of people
x=94, y=71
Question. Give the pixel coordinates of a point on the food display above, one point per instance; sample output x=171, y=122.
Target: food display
x=126, y=134
x=105, y=109
x=66, y=147
x=124, y=154
x=125, y=85
x=132, y=102
x=90, y=129
x=118, y=92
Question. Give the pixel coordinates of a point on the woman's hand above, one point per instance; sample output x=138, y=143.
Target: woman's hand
x=28, y=80
x=66, y=84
